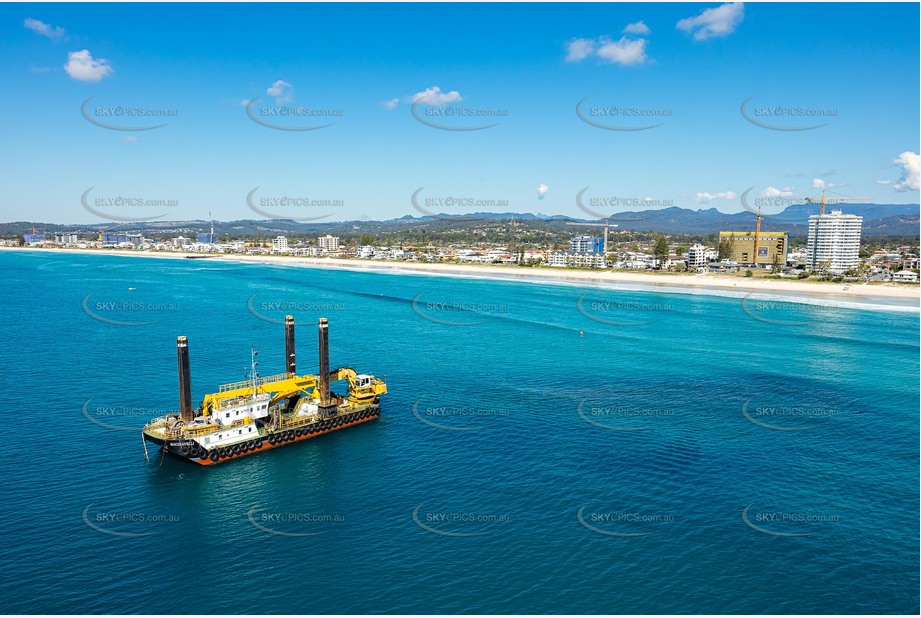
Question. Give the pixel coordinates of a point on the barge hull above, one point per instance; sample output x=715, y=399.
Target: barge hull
x=173, y=447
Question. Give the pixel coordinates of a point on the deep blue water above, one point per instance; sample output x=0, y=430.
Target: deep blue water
x=601, y=473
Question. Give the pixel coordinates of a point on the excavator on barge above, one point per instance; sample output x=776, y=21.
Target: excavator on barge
x=262, y=413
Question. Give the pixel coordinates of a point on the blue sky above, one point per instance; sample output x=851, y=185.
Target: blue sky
x=688, y=67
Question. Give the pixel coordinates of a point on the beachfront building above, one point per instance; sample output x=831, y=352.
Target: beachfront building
x=586, y=244
x=328, y=243
x=699, y=255
x=905, y=276
x=535, y=254
x=402, y=254
x=114, y=239
x=280, y=244
x=365, y=252
x=772, y=248
x=723, y=266
x=204, y=247
x=491, y=256
x=833, y=242
x=590, y=259
x=469, y=255
x=65, y=238
x=500, y=255
x=634, y=260
x=584, y=260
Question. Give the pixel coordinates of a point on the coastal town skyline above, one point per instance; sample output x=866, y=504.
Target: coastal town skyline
x=616, y=98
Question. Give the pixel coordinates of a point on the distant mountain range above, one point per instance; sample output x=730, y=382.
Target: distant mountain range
x=878, y=220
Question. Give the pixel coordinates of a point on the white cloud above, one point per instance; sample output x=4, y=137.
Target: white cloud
x=884, y=182
x=625, y=51
x=282, y=91
x=36, y=69
x=579, y=49
x=542, y=191
x=773, y=192
x=82, y=66
x=639, y=27
x=818, y=183
x=434, y=96
x=43, y=29
x=911, y=170
x=704, y=197
x=131, y=139
x=245, y=102
x=715, y=22
x=391, y=104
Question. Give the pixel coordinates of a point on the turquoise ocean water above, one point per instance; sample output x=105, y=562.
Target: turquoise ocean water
x=543, y=448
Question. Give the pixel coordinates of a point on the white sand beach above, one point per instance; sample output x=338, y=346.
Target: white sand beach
x=700, y=283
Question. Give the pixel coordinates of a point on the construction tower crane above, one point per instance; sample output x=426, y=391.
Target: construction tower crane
x=606, y=225
x=836, y=199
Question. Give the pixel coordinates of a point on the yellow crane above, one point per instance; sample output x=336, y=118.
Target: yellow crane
x=836, y=199
x=362, y=389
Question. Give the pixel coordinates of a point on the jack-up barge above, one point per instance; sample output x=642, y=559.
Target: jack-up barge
x=263, y=413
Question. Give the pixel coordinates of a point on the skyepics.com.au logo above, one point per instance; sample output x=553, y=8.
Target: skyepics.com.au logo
x=292, y=117
x=624, y=524
x=121, y=312
x=621, y=417
x=458, y=418
x=126, y=523
x=292, y=207
x=783, y=522
x=770, y=310
x=120, y=417
x=621, y=312
x=456, y=204
x=459, y=523
x=786, y=117
x=292, y=523
x=619, y=117
x=115, y=207
x=783, y=417
x=445, y=311
x=132, y=118
x=274, y=311
x=771, y=203
x=603, y=206
x=447, y=114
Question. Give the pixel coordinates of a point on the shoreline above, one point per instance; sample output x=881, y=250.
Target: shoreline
x=693, y=283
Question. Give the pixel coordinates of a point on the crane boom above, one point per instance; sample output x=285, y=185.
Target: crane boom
x=836, y=199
